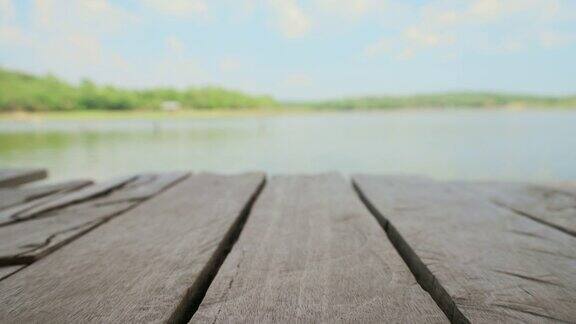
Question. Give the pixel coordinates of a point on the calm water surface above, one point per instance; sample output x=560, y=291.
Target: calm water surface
x=504, y=145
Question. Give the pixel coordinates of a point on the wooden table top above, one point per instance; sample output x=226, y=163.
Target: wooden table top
x=185, y=247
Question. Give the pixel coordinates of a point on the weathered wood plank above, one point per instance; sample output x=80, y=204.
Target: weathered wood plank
x=39, y=206
x=486, y=262
x=311, y=252
x=13, y=196
x=26, y=242
x=144, y=266
x=553, y=206
x=16, y=177
x=5, y=272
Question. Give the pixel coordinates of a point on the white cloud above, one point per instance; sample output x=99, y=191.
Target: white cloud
x=12, y=36
x=405, y=54
x=87, y=47
x=354, y=8
x=229, y=64
x=181, y=8
x=479, y=25
x=43, y=12
x=380, y=46
x=446, y=13
x=90, y=16
x=290, y=18
x=175, y=45
x=7, y=11
x=408, y=43
x=551, y=39
x=298, y=80
x=66, y=37
x=418, y=37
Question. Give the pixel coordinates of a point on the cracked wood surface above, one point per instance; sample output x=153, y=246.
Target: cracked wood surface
x=14, y=196
x=551, y=205
x=38, y=207
x=311, y=252
x=144, y=266
x=16, y=177
x=25, y=242
x=496, y=265
x=6, y=271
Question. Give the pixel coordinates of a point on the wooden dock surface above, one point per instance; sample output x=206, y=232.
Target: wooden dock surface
x=180, y=247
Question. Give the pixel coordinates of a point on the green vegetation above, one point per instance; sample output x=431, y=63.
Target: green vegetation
x=24, y=92
x=21, y=92
x=445, y=100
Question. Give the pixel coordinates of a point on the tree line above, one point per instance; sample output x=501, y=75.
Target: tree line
x=25, y=92
x=445, y=100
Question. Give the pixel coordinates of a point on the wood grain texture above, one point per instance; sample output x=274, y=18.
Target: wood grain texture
x=552, y=205
x=26, y=242
x=6, y=271
x=37, y=207
x=14, y=196
x=140, y=267
x=16, y=177
x=311, y=252
x=495, y=265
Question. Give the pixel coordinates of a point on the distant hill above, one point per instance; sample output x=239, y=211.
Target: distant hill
x=22, y=91
x=444, y=100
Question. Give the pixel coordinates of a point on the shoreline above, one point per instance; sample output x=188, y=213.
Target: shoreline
x=223, y=113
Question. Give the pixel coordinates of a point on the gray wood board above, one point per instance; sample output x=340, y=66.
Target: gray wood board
x=15, y=196
x=311, y=252
x=141, y=267
x=16, y=177
x=494, y=265
x=26, y=242
x=552, y=205
x=6, y=271
x=34, y=208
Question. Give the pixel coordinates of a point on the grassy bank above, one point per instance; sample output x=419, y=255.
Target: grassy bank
x=96, y=115
x=151, y=115
x=446, y=100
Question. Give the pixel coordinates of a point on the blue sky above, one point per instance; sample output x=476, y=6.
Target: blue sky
x=298, y=49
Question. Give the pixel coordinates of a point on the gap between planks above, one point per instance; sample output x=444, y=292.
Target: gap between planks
x=190, y=303
x=534, y=218
x=33, y=281
x=331, y=218
x=423, y=275
x=520, y=284
x=26, y=242
x=552, y=206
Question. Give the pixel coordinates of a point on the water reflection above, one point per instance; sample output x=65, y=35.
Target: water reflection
x=534, y=145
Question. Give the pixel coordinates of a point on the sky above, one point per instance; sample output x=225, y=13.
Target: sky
x=292, y=49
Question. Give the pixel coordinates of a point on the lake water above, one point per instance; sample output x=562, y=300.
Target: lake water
x=502, y=145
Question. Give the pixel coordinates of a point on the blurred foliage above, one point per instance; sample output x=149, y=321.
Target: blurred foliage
x=25, y=92
x=445, y=100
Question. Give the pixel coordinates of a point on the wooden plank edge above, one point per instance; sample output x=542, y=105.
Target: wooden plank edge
x=195, y=294
x=423, y=275
x=26, y=259
x=24, y=176
x=46, y=191
x=493, y=199
x=42, y=205
x=535, y=218
x=29, y=259
x=8, y=271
